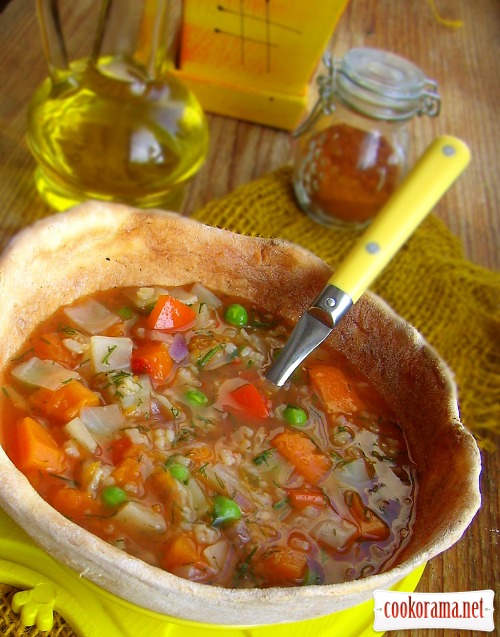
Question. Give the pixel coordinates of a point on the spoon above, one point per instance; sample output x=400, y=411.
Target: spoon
x=435, y=171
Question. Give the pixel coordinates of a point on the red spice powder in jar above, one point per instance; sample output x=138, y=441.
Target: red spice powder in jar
x=349, y=173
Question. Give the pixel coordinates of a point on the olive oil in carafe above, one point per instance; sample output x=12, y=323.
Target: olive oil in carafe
x=105, y=132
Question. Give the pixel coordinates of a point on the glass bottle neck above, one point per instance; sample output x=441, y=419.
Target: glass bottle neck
x=132, y=39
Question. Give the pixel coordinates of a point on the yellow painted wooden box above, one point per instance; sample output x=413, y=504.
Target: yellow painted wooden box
x=254, y=59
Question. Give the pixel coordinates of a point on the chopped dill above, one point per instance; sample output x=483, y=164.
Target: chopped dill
x=67, y=329
x=221, y=482
x=185, y=435
x=243, y=568
x=209, y=355
x=263, y=457
x=202, y=470
x=69, y=481
x=31, y=350
x=105, y=360
x=280, y=503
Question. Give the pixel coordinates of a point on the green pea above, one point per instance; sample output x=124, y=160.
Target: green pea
x=179, y=472
x=225, y=510
x=196, y=397
x=113, y=496
x=236, y=315
x=296, y=416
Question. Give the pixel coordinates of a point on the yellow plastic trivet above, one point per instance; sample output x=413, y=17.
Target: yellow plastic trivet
x=46, y=585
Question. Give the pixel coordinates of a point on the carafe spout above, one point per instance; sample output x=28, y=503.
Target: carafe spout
x=54, y=45
x=135, y=33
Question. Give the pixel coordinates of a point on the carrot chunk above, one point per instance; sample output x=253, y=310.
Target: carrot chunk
x=333, y=388
x=200, y=454
x=250, y=400
x=74, y=503
x=36, y=449
x=116, y=330
x=165, y=487
x=282, y=566
x=128, y=472
x=64, y=403
x=153, y=358
x=302, y=452
x=50, y=347
x=370, y=525
x=179, y=551
x=170, y=314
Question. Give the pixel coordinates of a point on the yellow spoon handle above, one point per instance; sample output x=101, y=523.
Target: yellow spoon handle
x=439, y=166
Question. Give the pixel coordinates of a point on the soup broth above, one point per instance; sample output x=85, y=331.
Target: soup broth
x=144, y=416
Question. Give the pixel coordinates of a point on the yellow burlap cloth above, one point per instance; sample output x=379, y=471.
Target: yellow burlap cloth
x=452, y=302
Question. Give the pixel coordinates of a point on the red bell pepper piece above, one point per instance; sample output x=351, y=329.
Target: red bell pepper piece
x=301, y=498
x=170, y=314
x=250, y=400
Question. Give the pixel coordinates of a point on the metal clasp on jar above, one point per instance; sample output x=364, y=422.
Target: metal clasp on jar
x=431, y=104
x=324, y=105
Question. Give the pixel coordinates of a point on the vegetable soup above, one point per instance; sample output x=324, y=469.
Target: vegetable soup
x=143, y=415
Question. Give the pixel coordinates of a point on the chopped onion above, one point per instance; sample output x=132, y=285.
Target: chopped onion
x=353, y=472
x=16, y=398
x=79, y=432
x=204, y=317
x=74, y=346
x=217, y=554
x=135, y=395
x=133, y=392
x=182, y=295
x=335, y=533
x=96, y=473
x=44, y=373
x=110, y=353
x=159, y=337
x=140, y=518
x=199, y=501
x=146, y=296
x=206, y=296
x=136, y=437
x=164, y=405
x=102, y=420
x=225, y=399
x=178, y=349
x=92, y=317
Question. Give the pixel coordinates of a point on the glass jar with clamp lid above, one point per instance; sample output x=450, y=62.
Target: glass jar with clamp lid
x=353, y=149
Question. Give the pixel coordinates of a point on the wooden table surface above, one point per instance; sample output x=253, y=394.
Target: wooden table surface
x=463, y=60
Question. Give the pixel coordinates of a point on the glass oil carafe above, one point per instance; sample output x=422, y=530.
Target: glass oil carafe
x=114, y=126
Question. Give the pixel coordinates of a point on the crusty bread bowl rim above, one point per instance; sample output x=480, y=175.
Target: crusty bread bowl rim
x=61, y=257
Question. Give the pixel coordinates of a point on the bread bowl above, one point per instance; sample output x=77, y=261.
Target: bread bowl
x=97, y=246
